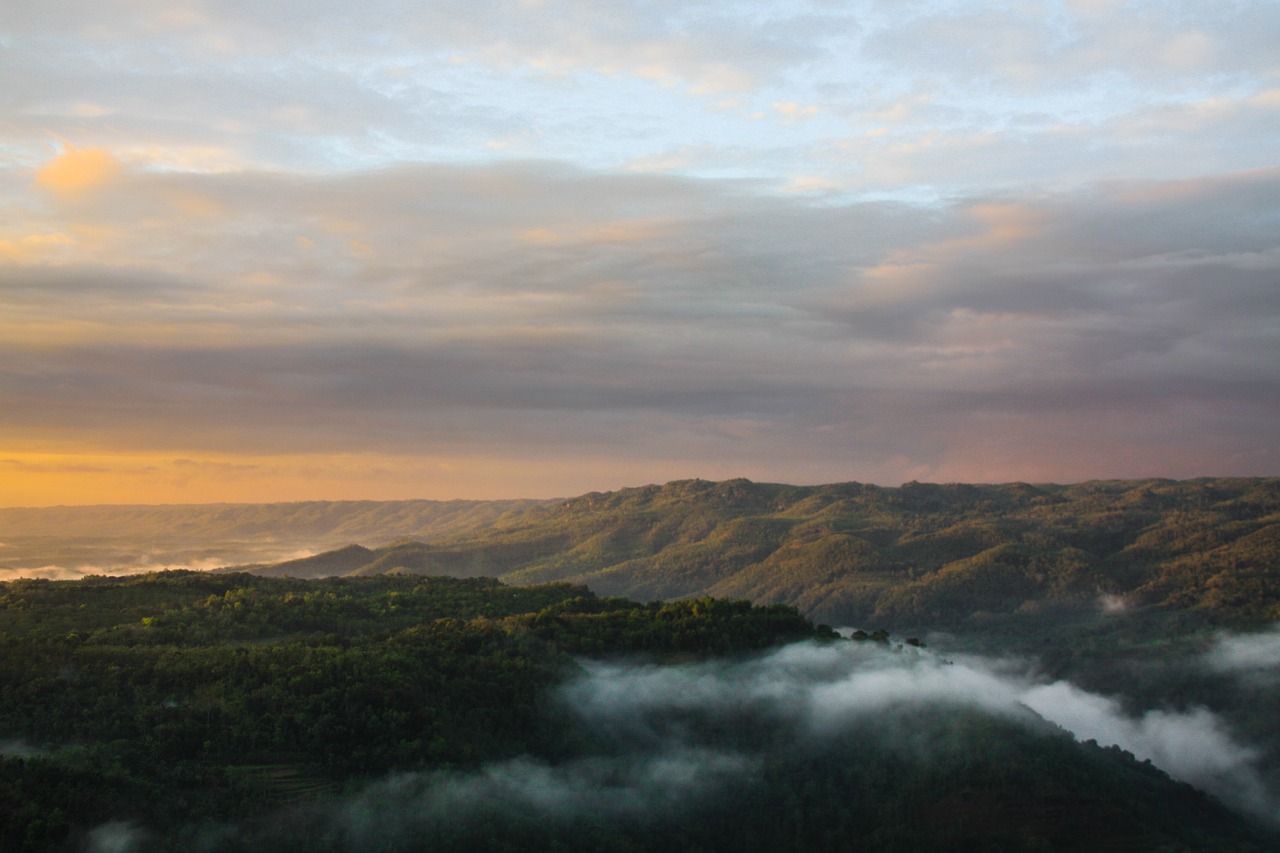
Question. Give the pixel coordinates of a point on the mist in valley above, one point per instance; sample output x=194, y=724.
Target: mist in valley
x=684, y=745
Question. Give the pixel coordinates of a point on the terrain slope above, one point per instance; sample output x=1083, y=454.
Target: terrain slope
x=850, y=553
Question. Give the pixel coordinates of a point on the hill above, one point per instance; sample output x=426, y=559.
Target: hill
x=917, y=555
x=233, y=712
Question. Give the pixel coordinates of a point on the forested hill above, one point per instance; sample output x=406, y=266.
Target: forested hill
x=850, y=553
x=229, y=713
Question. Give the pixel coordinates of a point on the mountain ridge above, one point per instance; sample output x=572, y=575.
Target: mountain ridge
x=915, y=554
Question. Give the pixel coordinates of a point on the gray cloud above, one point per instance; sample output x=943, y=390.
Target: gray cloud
x=1163, y=45
x=540, y=306
x=933, y=99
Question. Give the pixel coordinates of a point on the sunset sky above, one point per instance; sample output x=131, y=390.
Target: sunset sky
x=256, y=251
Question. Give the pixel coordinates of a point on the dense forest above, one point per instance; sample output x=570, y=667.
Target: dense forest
x=178, y=695
x=234, y=712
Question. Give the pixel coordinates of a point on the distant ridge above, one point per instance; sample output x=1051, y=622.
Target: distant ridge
x=130, y=538
x=337, y=562
x=851, y=553
x=389, y=519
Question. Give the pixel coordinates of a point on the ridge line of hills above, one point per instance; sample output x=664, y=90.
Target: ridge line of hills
x=851, y=553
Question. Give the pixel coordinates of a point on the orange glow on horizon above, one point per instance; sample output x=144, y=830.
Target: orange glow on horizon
x=69, y=479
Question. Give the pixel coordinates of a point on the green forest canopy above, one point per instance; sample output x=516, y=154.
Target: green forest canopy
x=237, y=712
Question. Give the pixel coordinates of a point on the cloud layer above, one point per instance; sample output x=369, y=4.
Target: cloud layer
x=451, y=253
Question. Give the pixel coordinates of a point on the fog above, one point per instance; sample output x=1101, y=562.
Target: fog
x=1194, y=746
x=130, y=563
x=55, y=572
x=658, y=749
x=1254, y=656
x=822, y=690
x=16, y=748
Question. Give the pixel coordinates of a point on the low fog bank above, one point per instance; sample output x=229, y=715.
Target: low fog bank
x=68, y=542
x=55, y=572
x=669, y=740
x=15, y=748
x=824, y=690
x=16, y=565
x=1255, y=656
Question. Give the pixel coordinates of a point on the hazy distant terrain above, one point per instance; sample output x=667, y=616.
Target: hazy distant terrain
x=938, y=556
x=68, y=542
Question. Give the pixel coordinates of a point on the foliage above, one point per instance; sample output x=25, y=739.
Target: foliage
x=159, y=697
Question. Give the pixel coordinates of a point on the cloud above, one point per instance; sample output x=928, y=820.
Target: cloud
x=1159, y=45
x=704, y=46
x=35, y=247
x=78, y=171
x=18, y=749
x=224, y=232
x=610, y=84
x=646, y=786
x=22, y=466
x=561, y=311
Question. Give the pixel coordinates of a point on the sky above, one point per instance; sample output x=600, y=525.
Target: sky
x=260, y=251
